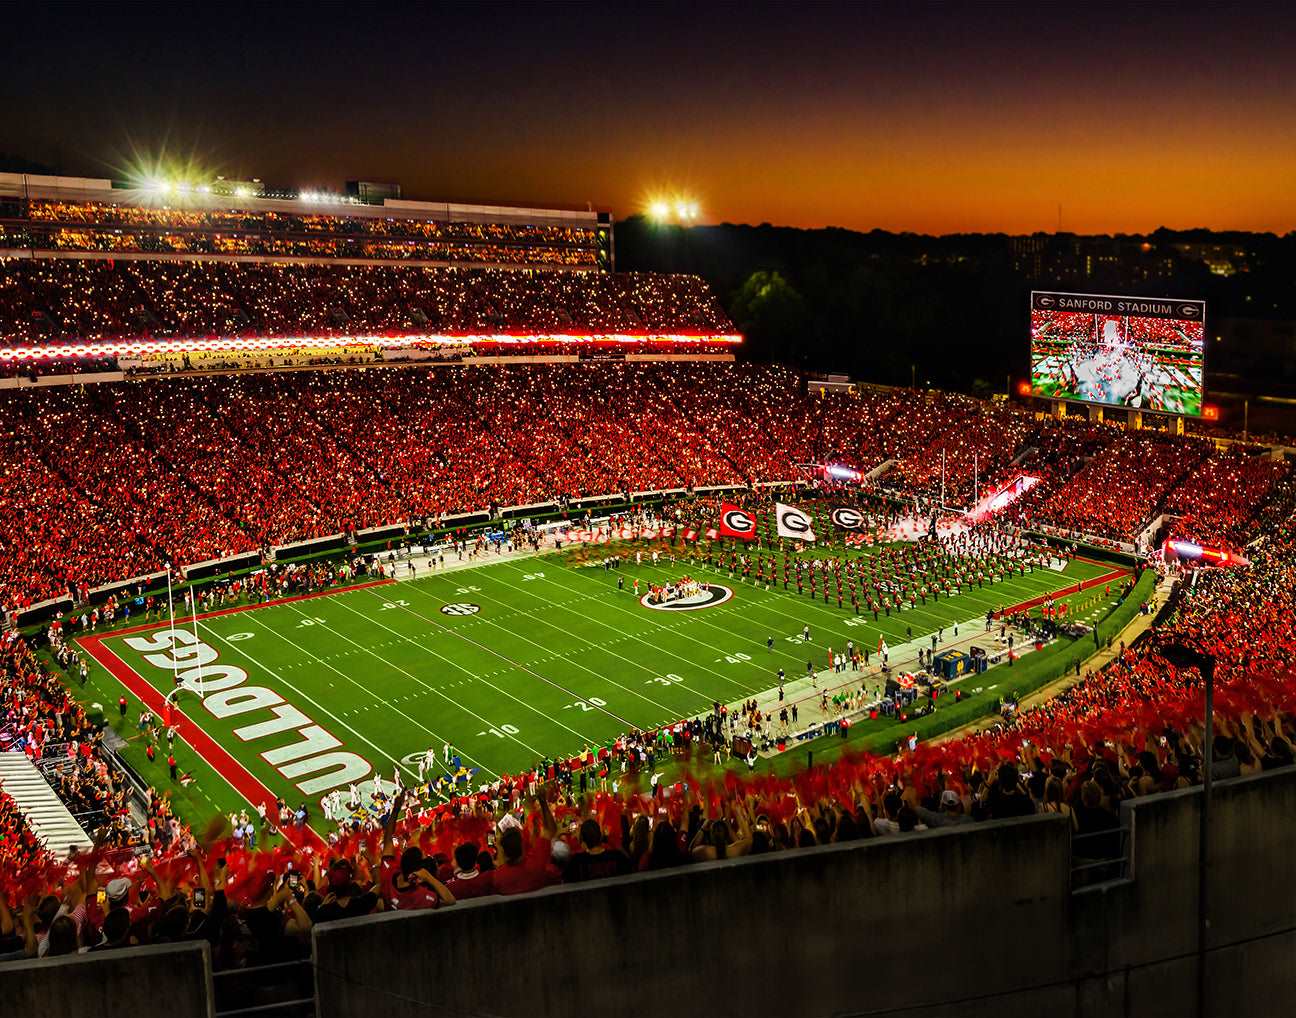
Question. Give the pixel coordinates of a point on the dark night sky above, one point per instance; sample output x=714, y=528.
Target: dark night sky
x=935, y=119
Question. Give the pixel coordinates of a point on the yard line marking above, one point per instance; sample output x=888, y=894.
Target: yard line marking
x=599, y=675
x=630, y=636
x=516, y=664
x=946, y=623
x=671, y=628
x=396, y=667
x=265, y=668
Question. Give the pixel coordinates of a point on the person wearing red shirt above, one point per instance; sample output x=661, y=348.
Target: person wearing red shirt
x=469, y=880
x=522, y=869
x=413, y=887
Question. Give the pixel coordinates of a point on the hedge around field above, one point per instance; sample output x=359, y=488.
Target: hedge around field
x=1018, y=680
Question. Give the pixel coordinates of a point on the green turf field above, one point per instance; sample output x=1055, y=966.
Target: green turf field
x=554, y=658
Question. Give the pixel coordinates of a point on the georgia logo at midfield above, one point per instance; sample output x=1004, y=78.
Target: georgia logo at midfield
x=709, y=596
x=847, y=518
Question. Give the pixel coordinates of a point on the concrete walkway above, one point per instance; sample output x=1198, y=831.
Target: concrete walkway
x=1137, y=626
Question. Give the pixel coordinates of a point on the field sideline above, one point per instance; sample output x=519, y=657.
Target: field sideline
x=554, y=658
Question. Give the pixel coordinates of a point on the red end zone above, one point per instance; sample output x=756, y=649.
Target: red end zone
x=1108, y=577
x=215, y=755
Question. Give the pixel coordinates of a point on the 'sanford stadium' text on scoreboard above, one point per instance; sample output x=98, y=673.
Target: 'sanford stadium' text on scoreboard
x=1144, y=353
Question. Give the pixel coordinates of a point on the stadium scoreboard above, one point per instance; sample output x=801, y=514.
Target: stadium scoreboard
x=1138, y=353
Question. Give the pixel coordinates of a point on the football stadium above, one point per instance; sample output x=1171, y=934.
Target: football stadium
x=406, y=610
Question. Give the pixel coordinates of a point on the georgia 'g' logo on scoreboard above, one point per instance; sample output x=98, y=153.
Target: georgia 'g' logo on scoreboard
x=739, y=521
x=1045, y=301
x=1189, y=310
x=847, y=518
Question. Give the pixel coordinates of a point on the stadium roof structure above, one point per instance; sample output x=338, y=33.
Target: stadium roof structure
x=51, y=221
x=252, y=198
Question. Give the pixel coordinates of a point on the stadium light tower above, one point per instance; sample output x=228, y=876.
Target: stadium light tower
x=680, y=210
x=1182, y=655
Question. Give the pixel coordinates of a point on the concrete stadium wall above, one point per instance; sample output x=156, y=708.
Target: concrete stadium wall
x=169, y=979
x=972, y=922
x=1130, y=927
x=808, y=933
x=975, y=922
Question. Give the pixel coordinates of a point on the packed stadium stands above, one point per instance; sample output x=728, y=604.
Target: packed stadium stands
x=1123, y=733
x=81, y=227
x=1119, y=489
x=58, y=300
x=108, y=482
x=116, y=480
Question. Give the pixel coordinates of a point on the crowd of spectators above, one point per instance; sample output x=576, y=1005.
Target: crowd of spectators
x=42, y=718
x=107, y=482
x=1120, y=487
x=89, y=226
x=227, y=455
x=1215, y=502
x=79, y=299
x=1130, y=730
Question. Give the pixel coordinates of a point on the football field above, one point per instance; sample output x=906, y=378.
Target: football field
x=508, y=662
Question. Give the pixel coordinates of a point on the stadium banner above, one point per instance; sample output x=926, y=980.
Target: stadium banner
x=382, y=533
x=736, y=522
x=216, y=566
x=792, y=522
x=462, y=518
x=98, y=595
x=41, y=611
x=328, y=542
x=1137, y=353
x=846, y=518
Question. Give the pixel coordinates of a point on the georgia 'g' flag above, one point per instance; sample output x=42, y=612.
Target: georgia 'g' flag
x=737, y=523
x=792, y=522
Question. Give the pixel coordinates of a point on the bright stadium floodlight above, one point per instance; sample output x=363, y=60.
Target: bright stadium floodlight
x=659, y=210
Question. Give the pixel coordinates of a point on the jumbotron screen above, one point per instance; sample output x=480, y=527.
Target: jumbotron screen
x=1144, y=353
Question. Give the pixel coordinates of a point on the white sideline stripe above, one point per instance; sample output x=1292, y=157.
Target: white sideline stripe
x=489, y=724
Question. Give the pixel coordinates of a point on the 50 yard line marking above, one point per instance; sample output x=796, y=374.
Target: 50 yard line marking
x=639, y=639
x=589, y=643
